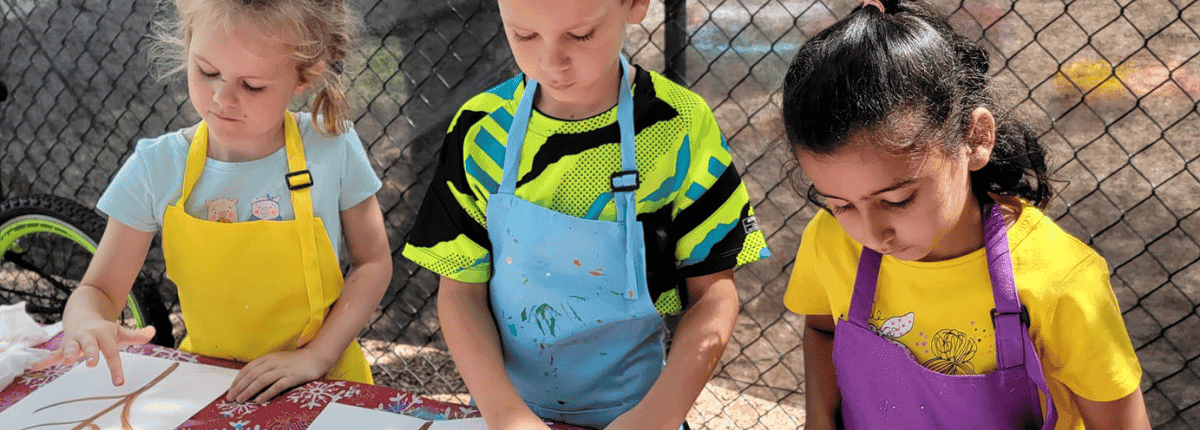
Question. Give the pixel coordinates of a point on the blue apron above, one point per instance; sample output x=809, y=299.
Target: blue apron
x=581, y=338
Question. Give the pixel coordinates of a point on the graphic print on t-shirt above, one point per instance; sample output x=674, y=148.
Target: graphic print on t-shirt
x=952, y=350
x=265, y=208
x=222, y=210
x=952, y=353
x=894, y=328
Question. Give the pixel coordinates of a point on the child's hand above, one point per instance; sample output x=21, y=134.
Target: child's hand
x=271, y=374
x=93, y=339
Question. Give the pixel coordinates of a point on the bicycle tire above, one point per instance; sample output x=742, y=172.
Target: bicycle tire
x=47, y=242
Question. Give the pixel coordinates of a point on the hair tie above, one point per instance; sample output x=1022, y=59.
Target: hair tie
x=337, y=67
x=874, y=3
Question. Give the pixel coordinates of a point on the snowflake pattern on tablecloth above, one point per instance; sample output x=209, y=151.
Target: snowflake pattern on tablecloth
x=399, y=404
x=231, y=409
x=39, y=378
x=318, y=394
x=412, y=405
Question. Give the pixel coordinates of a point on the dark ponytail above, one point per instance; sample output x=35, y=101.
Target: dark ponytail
x=874, y=68
x=1017, y=167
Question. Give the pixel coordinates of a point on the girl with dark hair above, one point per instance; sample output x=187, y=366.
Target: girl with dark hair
x=958, y=303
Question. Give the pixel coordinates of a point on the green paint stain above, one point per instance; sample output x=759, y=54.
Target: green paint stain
x=547, y=313
x=524, y=316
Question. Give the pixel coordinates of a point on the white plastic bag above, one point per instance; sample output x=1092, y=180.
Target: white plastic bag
x=19, y=333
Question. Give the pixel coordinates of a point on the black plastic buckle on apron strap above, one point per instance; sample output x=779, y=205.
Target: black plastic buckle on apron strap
x=623, y=188
x=1024, y=316
x=298, y=180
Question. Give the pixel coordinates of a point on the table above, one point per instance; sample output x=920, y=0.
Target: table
x=293, y=410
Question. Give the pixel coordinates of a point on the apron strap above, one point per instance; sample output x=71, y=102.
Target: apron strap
x=863, y=297
x=197, y=154
x=1010, y=318
x=516, y=137
x=625, y=184
x=299, y=181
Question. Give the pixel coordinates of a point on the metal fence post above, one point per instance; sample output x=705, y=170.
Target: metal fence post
x=675, y=37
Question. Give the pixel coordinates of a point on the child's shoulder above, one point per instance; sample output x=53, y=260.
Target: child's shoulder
x=823, y=232
x=170, y=145
x=307, y=122
x=664, y=94
x=1038, y=242
x=500, y=99
x=669, y=91
x=507, y=92
x=1033, y=228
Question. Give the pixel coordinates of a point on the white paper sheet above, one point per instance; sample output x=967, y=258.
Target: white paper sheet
x=337, y=416
x=164, y=405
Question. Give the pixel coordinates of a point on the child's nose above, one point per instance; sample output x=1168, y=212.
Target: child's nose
x=879, y=231
x=554, y=57
x=223, y=93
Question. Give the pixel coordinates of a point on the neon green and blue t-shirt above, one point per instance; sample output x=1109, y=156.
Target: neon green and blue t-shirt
x=691, y=200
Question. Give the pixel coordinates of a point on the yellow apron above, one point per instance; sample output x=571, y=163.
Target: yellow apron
x=252, y=288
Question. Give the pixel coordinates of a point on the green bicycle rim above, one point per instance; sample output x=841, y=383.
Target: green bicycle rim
x=25, y=225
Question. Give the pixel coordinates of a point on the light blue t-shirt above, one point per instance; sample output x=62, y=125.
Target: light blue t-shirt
x=152, y=177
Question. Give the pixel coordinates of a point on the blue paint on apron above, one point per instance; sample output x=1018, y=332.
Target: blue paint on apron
x=581, y=338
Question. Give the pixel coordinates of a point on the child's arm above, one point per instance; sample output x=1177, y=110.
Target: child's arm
x=368, y=278
x=89, y=320
x=822, y=398
x=696, y=348
x=1128, y=412
x=474, y=343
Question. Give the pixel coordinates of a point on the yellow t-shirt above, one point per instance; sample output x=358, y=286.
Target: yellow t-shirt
x=941, y=310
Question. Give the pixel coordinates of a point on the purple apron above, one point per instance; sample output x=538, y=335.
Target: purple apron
x=882, y=387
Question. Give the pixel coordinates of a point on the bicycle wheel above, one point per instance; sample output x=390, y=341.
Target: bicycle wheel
x=48, y=242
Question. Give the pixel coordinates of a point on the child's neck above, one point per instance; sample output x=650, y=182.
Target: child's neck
x=605, y=94
x=967, y=236
x=245, y=149
x=964, y=238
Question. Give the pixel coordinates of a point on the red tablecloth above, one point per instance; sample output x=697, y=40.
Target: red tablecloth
x=292, y=410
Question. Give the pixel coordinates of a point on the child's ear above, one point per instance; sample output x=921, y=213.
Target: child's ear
x=981, y=138
x=637, y=11
x=309, y=76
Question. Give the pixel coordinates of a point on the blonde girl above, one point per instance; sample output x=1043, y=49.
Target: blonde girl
x=258, y=206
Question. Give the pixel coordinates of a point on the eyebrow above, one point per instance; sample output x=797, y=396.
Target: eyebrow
x=901, y=183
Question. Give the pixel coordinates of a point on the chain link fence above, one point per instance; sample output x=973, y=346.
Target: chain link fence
x=1112, y=85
